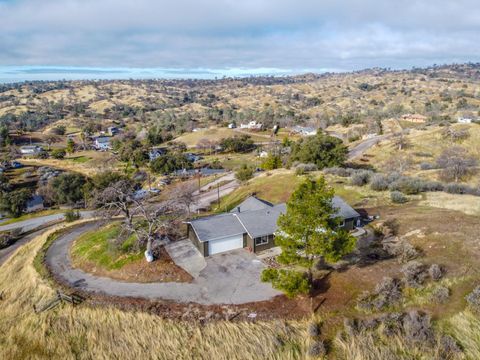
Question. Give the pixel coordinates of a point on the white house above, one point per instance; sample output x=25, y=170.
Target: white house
x=253, y=125
x=102, y=143
x=30, y=149
x=464, y=120
x=305, y=131
x=232, y=126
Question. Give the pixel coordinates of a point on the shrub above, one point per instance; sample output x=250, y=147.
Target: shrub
x=6, y=239
x=292, y=283
x=440, y=294
x=301, y=169
x=407, y=185
x=360, y=178
x=398, y=197
x=338, y=171
x=418, y=328
x=245, y=173
x=473, y=299
x=313, y=329
x=454, y=188
x=426, y=166
x=72, y=215
x=58, y=153
x=379, y=182
x=317, y=349
x=435, y=272
x=386, y=293
x=448, y=347
x=414, y=273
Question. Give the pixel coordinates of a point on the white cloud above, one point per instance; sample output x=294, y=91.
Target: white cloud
x=284, y=34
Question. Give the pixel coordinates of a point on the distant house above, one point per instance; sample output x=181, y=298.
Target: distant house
x=34, y=204
x=304, y=130
x=464, y=120
x=155, y=153
x=184, y=173
x=263, y=154
x=232, y=126
x=193, y=157
x=113, y=130
x=102, y=143
x=252, y=125
x=414, y=118
x=252, y=225
x=30, y=150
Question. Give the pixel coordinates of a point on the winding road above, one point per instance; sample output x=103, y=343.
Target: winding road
x=232, y=278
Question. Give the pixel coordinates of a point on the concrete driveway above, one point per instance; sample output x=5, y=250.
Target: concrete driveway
x=228, y=278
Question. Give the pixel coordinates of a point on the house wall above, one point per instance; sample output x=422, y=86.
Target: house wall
x=201, y=246
x=350, y=224
x=258, y=248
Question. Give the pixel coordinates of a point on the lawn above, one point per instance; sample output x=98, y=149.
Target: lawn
x=96, y=247
x=96, y=253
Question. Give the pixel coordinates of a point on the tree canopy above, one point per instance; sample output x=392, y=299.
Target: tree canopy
x=308, y=231
x=321, y=150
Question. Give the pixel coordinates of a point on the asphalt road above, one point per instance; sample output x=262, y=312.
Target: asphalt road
x=33, y=223
x=359, y=149
x=232, y=278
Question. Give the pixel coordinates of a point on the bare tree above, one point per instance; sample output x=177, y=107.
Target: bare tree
x=400, y=141
x=456, y=163
x=455, y=135
x=398, y=163
x=183, y=194
x=145, y=220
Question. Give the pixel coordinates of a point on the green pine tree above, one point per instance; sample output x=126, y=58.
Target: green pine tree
x=308, y=232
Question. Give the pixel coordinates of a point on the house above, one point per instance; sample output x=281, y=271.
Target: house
x=113, y=130
x=30, y=149
x=232, y=126
x=464, y=120
x=194, y=172
x=155, y=153
x=252, y=125
x=252, y=225
x=193, y=157
x=102, y=143
x=305, y=130
x=414, y=118
x=34, y=204
x=263, y=154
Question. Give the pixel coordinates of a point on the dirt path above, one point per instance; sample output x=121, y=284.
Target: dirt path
x=232, y=278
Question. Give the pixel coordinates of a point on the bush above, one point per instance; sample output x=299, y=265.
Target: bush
x=360, y=178
x=398, y=197
x=418, y=328
x=58, y=153
x=317, y=349
x=245, y=173
x=454, y=188
x=414, y=274
x=435, y=272
x=379, y=182
x=427, y=166
x=338, y=171
x=386, y=293
x=473, y=299
x=313, y=329
x=301, y=169
x=440, y=294
x=6, y=239
x=292, y=283
x=272, y=162
x=408, y=185
x=449, y=347
x=72, y=215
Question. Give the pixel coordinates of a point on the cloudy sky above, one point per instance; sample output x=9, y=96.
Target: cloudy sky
x=207, y=38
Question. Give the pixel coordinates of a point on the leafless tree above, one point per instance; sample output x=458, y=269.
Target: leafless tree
x=398, y=163
x=183, y=194
x=400, y=141
x=455, y=135
x=456, y=163
x=140, y=217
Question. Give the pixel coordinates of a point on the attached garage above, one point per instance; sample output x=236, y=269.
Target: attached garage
x=225, y=244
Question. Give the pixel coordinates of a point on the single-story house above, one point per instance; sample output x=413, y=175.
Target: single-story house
x=155, y=153
x=34, y=204
x=252, y=225
x=102, y=143
x=30, y=149
x=464, y=120
x=253, y=125
x=113, y=130
x=304, y=130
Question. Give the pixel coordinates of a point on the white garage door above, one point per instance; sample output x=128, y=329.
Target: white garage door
x=225, y=244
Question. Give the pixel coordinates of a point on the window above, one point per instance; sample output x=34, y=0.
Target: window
x=342, y=223
x=262, y=240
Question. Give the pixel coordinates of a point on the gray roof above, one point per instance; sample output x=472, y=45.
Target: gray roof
x=217, y=226
x=256, y=217
x=34, y=201
x=344, y=210
x=261, y=222
x=250, y=204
